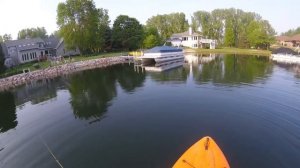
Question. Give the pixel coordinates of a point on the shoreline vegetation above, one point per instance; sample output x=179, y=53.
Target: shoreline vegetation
x=230, y=51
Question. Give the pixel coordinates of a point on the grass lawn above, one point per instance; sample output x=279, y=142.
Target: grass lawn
x=232, y=51
x=45, y=64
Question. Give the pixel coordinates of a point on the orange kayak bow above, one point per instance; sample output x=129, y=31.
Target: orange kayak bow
x=203, y=154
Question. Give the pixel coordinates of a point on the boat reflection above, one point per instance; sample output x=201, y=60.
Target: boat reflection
x=159, y=67
x=295, y=68
x=196, y=58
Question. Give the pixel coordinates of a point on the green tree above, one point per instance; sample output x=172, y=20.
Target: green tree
x=203, y=20
x=260, y=34
x=229, y=27
x=32, y=33
x=152, y=37
x=292, y=32
x=6, y=37
x=1, y=39
x=127, y=33
x=82, y=25
x=168, y=24
x=229, y=39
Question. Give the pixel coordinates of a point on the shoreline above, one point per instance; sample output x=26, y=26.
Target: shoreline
x=59, y=70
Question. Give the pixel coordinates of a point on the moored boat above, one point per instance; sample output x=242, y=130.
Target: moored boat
x=162, y=54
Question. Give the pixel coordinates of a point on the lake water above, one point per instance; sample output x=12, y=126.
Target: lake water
x=121, y=117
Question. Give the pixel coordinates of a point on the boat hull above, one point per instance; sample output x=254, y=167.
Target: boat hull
x=161, y=57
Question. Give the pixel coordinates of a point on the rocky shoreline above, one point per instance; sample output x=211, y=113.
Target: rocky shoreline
x=52, y=72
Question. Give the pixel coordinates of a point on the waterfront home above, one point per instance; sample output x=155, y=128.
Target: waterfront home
x=192, y=39
x=28, y=50
x=288, y=41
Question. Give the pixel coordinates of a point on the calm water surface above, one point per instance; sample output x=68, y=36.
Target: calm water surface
x=118, y=117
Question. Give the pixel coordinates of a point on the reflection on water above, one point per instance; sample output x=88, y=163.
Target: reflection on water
x=38, y=91
x=295, y=68
x=8, y=116
x=196, y=58
x=152, y=117
x=231, y=69
x=91, y=91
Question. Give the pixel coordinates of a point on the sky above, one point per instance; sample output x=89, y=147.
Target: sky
x=19, y=14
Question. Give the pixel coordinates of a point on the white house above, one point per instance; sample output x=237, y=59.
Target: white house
x=191, y=39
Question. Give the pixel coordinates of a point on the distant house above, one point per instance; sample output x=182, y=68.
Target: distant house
x=287, y=41
x=28, y=50
x=191, y=39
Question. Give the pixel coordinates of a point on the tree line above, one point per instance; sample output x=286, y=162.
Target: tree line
x=234, y=28
x=89, y=28
x=292, y=32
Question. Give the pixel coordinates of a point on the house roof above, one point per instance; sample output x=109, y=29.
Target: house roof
x=288, y=38
x=282, y=38
x=12, y=43
x=29, y=44
x=51, y=42
x=295, y=37
x=186, y=33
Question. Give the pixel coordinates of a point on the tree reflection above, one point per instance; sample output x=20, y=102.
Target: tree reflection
x=128, y=78
x=92, y=91
x=8, y=116
x=232, y=69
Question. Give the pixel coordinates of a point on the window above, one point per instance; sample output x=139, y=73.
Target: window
x=184, y=39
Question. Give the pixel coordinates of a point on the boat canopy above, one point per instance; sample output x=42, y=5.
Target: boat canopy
x=163, y=49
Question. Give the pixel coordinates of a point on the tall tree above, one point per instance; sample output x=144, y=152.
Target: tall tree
x=32, y=33
x=127, y=33
x=151, y=38
x=168, y=24
x=229, y=26
x=229, y=39
x=203, y=20
x=6, y=37
x=82, y=25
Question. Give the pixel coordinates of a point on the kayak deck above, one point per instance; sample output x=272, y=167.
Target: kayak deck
x=203, y=154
